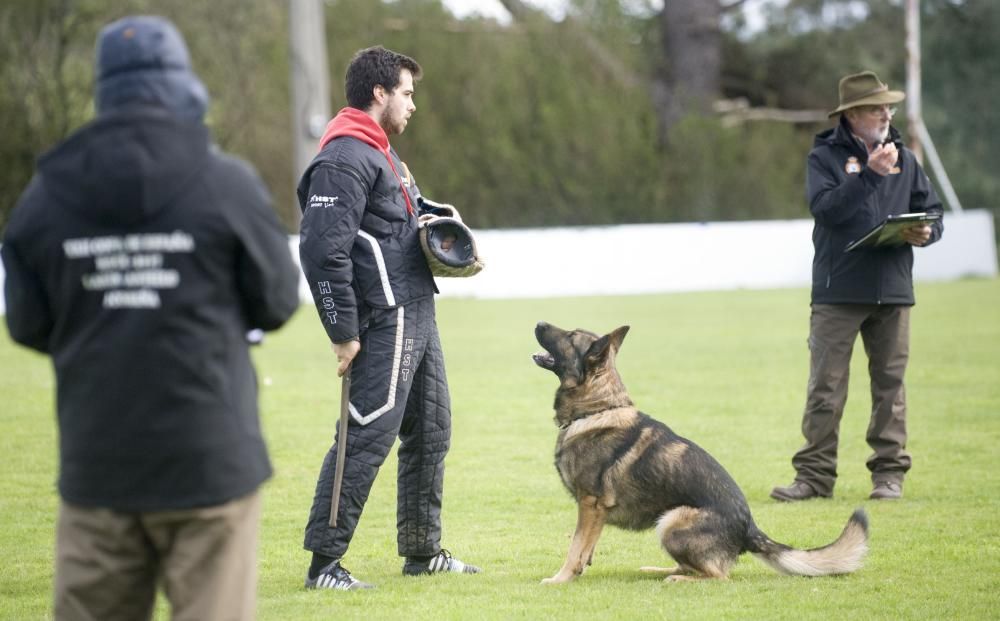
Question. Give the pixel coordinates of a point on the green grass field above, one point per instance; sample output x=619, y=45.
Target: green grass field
x=726, y=369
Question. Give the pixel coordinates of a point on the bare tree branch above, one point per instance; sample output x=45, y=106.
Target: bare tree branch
x=738, y=111
x=732, y=6
x=604, y=57
x=690, y=79
x=517, y=9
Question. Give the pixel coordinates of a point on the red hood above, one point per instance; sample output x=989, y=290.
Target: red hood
x=357, y=124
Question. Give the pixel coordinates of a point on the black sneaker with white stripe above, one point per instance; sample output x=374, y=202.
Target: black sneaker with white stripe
x=335, y=576
x=441, y=562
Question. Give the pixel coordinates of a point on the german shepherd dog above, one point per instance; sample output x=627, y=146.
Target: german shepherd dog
x=626, y=469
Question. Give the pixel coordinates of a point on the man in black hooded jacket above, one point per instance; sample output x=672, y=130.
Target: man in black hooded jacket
x=859, y=173
x=138, y=258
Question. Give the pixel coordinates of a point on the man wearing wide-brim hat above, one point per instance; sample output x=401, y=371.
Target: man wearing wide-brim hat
x=858, y=174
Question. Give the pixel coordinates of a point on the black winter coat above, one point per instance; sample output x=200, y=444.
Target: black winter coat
x=846, y=200
x=358, y=244
x=138, y=257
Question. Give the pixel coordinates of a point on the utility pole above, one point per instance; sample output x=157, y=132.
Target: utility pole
x=310, y=81
x=920, y=138
x=913, y=78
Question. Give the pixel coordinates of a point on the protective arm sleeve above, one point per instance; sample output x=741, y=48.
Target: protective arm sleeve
x=330, y=224
x=832, y=201
x=434, y=208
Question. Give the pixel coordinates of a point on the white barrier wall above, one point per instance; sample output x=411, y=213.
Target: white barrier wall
x=658, y=258
x=690, y=257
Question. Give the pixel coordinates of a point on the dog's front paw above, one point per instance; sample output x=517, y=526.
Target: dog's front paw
x=557, y=579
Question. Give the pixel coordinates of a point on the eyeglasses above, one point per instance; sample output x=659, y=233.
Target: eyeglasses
x=878, y=110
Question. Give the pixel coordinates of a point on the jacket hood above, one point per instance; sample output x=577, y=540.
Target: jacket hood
x=357, y=124
x=125, y=167
x=143, y=59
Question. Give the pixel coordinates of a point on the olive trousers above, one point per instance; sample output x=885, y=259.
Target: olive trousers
x=885, y=333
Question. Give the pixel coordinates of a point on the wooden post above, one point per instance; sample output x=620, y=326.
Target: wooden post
x=310, y=81
x=913, y=109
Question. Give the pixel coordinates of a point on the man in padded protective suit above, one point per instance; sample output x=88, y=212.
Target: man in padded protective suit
x=362, y=258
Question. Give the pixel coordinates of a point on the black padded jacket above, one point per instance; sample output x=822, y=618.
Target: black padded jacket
x=359, y=242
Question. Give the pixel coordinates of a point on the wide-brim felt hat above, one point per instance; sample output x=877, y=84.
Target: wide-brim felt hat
x=865, y=89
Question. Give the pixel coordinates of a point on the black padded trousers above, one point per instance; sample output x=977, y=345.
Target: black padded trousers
x=398, y=389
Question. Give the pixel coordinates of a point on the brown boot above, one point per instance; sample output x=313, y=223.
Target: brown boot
x=798, y=490
x=887, y=490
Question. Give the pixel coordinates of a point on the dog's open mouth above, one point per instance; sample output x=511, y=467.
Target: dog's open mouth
x=544, y=359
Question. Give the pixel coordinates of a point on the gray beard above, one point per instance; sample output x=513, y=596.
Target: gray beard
x=878, y=137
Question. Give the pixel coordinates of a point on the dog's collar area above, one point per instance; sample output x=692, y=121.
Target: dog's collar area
x=565, y=426
x=583, y=416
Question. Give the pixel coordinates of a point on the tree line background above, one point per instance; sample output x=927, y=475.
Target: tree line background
x=621, y=112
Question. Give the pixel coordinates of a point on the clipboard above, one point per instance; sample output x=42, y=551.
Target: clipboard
x=889, y=232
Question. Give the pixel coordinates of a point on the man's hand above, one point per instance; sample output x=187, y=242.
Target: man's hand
x=883, y=158
x=917, y=235
x=345, y=354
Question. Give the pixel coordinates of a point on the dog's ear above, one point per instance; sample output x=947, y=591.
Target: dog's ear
x=618, y=336
x=597, y=352
x=600, y=348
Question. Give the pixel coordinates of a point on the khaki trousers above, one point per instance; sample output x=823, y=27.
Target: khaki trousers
x=108, y=564
x=885, y=332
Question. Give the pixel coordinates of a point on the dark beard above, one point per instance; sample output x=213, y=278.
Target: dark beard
x=385, y=122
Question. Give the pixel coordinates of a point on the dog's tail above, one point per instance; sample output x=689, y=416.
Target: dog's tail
x=843, y=556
